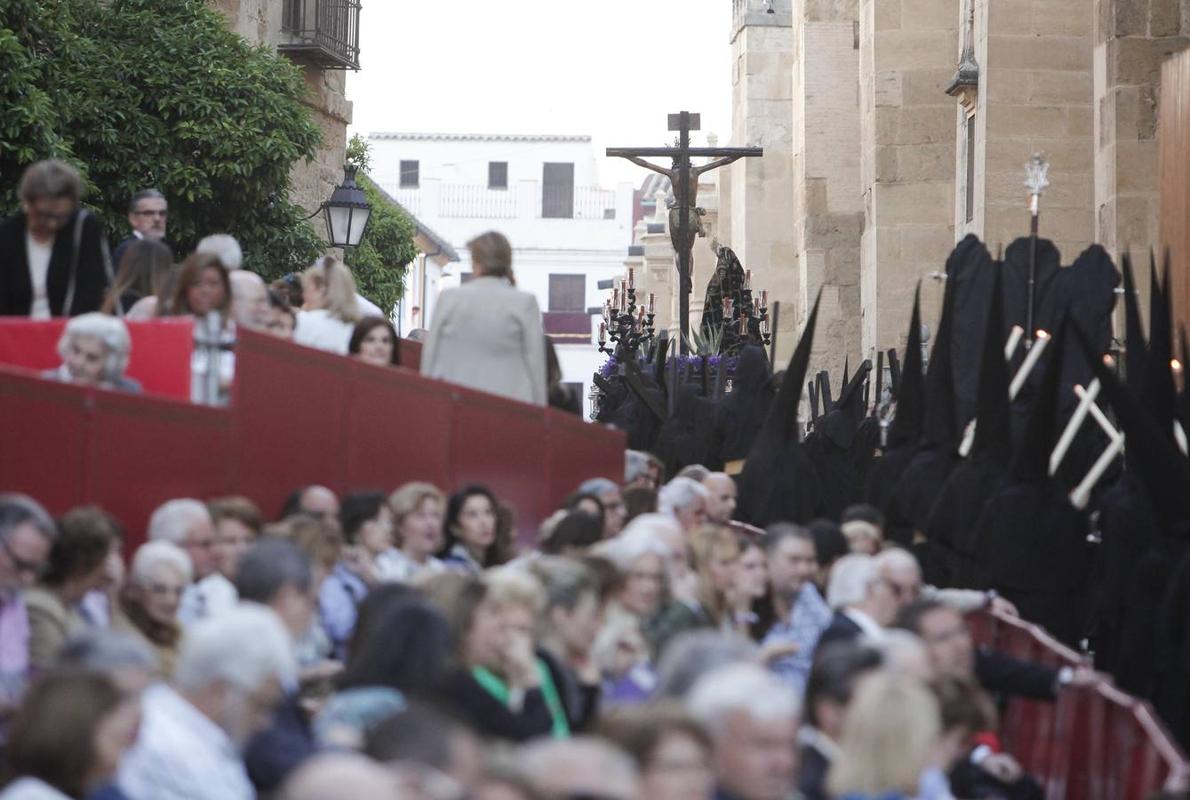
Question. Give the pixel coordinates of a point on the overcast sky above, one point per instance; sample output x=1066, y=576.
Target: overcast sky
x=612, y=69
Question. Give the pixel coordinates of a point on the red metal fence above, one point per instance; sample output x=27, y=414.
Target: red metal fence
x=300, y=416
x=1095, y=742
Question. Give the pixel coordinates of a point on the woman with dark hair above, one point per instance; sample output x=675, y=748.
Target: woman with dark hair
x=374, y=341
x=282, y=319
x=473, y=540
x=573, y=535
x=639, y=500
x=78, y=564
x=367, y=527
x=68, y=736
x=750, y=584
x=587, y=502
x=403, y=651
x=202, y=286
x=141, y=273
x=558, y=394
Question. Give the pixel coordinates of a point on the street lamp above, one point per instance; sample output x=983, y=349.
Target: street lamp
x=347, y=212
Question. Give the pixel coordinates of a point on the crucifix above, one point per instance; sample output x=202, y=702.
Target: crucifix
x=684, y=224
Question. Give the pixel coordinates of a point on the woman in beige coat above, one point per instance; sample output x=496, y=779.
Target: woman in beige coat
x=487, y=335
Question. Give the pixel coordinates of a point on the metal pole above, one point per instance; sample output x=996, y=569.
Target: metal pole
x=1029, y=332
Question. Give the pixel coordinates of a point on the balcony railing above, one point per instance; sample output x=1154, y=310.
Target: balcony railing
x=528, y=200
x=325, y=32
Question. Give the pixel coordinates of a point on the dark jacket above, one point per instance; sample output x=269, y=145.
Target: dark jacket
x=841, y=629
x=91, y=277
x=491, y=718
x=812, y=773
x=1002, y=674
x=279, y=749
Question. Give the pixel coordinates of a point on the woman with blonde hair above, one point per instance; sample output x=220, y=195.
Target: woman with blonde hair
x=418, y=514
x=716, y=551
x=487, y=335
x=890, y=736
x=331, y=309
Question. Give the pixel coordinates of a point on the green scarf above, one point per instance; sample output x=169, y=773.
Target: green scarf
x=498, y=689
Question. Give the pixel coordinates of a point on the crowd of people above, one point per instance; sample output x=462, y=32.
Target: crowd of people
x=56, y=261
x=404, y=645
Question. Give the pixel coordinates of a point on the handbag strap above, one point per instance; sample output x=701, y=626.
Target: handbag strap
x=68, y=303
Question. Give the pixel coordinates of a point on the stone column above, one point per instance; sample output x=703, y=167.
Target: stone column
x=760, y=190
x=1034, y=96
x=828, y=205
x=907, y=60
x=1132, y=39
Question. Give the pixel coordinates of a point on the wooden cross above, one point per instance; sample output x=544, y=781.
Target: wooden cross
x=683, y=177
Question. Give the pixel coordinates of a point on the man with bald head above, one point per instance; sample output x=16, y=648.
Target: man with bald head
x=721, y=497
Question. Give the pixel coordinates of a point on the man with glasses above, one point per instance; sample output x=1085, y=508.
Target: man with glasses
x=148, y=213
x=54, y=260
x=26, y=535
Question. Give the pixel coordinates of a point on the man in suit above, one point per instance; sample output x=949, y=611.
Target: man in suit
x=864, y=601
x=147, y=214
x=54, y=260
x=952, y=651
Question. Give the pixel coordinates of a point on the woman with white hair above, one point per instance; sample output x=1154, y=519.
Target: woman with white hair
x=95, y=350
x=160, y=573
x=640, y=557
x=331, y=309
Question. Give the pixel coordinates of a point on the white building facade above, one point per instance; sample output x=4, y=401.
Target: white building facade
x=568, y=234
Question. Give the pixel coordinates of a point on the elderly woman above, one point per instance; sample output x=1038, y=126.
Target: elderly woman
x=504, y=687
x=640, y=556
x=417, y=519
x=487, y=335
x=160, y=573
x=95, y=350
x=331, y=309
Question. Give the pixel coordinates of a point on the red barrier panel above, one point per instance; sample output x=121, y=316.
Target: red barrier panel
x=186, y=449
x=45, y=437
x=299, y=416
x=502, y=444
x=398, y=429
x=290, y=405
x=579, y=451
x=160, y=357
x=1094, y=743
x=410, y=354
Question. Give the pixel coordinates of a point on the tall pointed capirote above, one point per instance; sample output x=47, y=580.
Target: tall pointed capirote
x=993, y=428
x=906, y=427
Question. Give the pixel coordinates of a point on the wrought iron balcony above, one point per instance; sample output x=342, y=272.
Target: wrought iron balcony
x=324, y=32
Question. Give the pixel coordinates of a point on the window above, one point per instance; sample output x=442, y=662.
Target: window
x=410, y=178
x=970, y=168
x=557, y=191
x=568, y=293
x=497, y=174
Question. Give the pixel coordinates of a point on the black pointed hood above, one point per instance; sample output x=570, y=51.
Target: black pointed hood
x=1032, y=459
x=1154, y=458
x=993, y=431
x=779, y=482
x=846, y=372
x=1159, y=386
x=940, y=428
x=1136, y=352
x=906, y=427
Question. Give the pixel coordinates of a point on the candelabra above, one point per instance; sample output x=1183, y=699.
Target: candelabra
x=627, y=326
x=749, y=322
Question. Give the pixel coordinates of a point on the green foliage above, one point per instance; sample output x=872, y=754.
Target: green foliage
x=359, y=154
x=706, y=342
x=159, y=93
x=387, y=248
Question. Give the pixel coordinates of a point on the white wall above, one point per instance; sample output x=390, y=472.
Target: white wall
x=453, y=200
